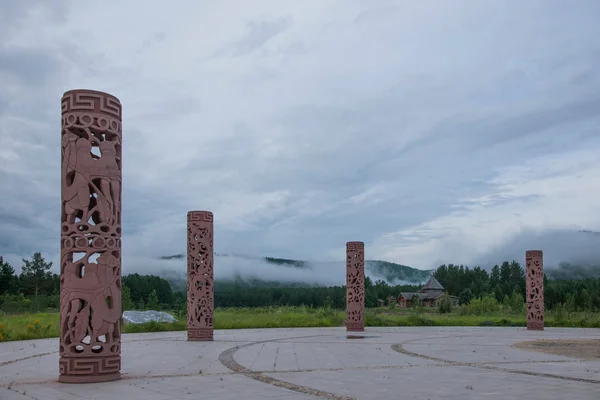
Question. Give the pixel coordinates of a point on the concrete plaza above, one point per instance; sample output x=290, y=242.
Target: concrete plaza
x=423, y=363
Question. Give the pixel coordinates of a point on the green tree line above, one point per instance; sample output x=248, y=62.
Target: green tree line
x=36, y=288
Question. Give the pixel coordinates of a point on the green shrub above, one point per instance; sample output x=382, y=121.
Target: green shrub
x=418, y=320
x=445, y=304
x=465, y=296
x=515, y=303
x=486, y=305
x=376, y=319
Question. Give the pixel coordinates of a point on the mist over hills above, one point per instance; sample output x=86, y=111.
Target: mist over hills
x=568, y=254
x=281, y=272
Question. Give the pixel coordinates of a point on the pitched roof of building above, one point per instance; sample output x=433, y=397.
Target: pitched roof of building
x=432, y=284
x=430, y=295
x=407, y=296
x=431, y=291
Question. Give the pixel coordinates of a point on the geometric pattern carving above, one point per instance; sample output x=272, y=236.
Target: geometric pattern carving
x=355, y=286
x=93, y=369
x=200, y=276
x=90, y=264
x=200, y=334
x=534, y=269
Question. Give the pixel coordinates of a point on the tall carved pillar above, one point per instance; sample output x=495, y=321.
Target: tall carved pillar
x=201, y=300
x=355, y=286
x=534, y=271
x=90, y=265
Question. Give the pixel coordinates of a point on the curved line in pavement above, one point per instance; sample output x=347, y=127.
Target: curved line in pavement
x=400, y=349
x=226, y=358
x=2, y=364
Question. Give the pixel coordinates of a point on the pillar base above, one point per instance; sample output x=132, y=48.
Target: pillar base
x=89, y=369
x=535, y=326
x=355, y=327
x=200, y=335
x=89, y=378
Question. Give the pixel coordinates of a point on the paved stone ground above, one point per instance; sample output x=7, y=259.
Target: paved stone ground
x=387, y=363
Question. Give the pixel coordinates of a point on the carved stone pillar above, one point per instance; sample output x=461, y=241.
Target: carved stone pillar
x=90, y=264
x=534, y=271
x=355, y=286
x=200, y=275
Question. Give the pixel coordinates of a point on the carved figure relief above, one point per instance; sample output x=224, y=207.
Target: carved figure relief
x=90, y=266
x=200, y=275
x=355, y=286
x=534, y=270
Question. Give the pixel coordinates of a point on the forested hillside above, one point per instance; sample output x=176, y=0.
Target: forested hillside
x=36, y=288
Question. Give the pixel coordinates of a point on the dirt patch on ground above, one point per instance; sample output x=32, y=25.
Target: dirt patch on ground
x=585, y=349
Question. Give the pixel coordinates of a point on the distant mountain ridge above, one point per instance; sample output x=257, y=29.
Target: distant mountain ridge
x=390, y=272
x=302, y=273
x=568, y=271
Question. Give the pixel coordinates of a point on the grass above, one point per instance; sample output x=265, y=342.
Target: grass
x=46, y=325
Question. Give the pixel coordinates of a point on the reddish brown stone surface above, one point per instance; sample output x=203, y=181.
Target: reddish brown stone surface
x=534, y=270
x=200, y=275
x=355, y=286
x=90, y=267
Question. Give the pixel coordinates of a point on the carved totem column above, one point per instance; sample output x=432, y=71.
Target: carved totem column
x=534, y=271
x=355, y=286
x=200, y=289
x=90, y=264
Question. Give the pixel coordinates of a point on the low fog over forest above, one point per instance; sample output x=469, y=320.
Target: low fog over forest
x=567, y=255
x=237, y=267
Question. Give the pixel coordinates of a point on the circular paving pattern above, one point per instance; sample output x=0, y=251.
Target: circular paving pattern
x=432, y=363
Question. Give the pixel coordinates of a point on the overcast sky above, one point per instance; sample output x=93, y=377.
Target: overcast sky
x=434, y=131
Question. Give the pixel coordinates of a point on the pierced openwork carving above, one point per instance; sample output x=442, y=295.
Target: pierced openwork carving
x=535, y=289
x=200, y=275
x=355, y=286
x=90, y=268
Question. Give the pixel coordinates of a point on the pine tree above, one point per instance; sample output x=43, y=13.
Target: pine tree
x=465, y=296
x=7, y=277
x=445, y=304
x=126, y=302
x=153, y=301
x=34, y=274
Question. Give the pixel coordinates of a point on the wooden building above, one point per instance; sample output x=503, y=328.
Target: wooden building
x=428, y=294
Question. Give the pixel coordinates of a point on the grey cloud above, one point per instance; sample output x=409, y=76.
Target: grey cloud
x=4, y=105
x=30, y=67
x=426, y=177
x=260, y=32
x=155, y=38
x=9, y=217
x=583, y=78
x=295, y=48
x=377, y=12
x=424, y=139
x=13, y=14
x=169, y=106
x=559, y=246
x=534, y=122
